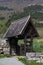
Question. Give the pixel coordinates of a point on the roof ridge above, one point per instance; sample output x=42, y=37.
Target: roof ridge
x=19, y=19
x=25, y=24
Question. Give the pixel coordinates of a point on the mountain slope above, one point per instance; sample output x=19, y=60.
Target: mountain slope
x=18, y=5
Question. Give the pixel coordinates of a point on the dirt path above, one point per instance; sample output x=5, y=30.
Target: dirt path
x=10, y=61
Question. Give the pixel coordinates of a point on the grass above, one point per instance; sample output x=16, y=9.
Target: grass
x=26, y=62
x=3, y=27
x=40, y=31
x=4, y=55
x=37, y=43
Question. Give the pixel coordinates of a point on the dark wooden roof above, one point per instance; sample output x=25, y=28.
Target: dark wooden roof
x=17, y=27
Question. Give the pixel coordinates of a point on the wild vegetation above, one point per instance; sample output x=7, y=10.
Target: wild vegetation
x=2, y=27
x=4, y=55
x=35, y=11
x=5, y=8
x=27, y=62
x=37, y=44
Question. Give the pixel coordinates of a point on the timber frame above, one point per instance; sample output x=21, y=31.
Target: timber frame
x=21, y=29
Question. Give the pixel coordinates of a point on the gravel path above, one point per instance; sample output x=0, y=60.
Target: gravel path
x=10, y=61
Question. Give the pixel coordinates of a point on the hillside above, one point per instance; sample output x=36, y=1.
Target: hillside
x=36, y=12
x=16, y=6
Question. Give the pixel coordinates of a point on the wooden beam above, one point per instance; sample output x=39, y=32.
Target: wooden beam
x=25, y=39
x=31, y=43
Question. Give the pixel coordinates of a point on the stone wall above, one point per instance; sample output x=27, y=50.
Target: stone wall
x=4, y=46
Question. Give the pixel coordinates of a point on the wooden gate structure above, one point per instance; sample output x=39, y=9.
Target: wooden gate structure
x=21, y=29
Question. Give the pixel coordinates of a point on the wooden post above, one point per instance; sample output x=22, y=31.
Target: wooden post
x=8, y=41
x=10, y=51
x=20, y=50
x=25, y=44
x=31, y=44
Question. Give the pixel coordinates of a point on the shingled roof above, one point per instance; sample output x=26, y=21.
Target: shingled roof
x=17, y=27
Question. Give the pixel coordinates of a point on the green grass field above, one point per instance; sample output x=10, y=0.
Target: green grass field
x=3, y=27
x=37, y=44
